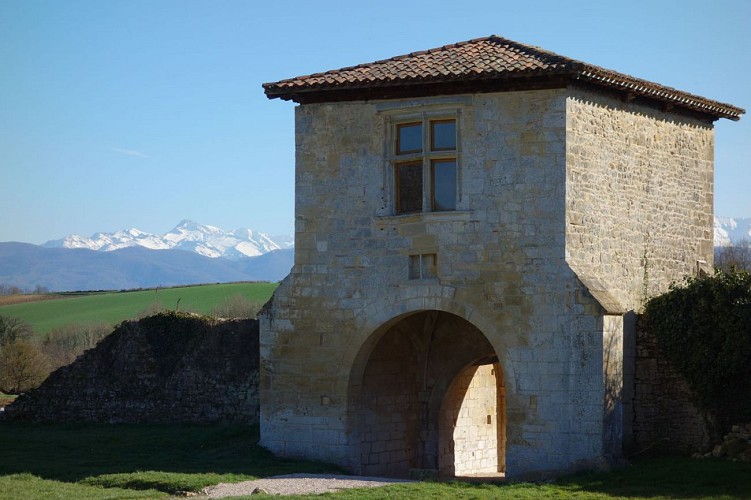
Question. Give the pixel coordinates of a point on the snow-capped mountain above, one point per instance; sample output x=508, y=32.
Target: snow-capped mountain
x=209, y=241
x=284, y=240
x=728, y=230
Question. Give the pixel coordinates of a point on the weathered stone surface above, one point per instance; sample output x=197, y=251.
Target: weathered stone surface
x=166, y=368
x=736, y=445
x=639, y=198
x=572, y=208
x=469, y=423
x=665, y=417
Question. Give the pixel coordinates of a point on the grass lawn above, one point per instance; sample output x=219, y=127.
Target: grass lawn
x=153, y=461
x=6, y=399
x=119, y=461
x=114, y=307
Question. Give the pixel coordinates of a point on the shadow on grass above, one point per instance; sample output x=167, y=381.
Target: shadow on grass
x=171, y=458
x=164, y=457
x=667, y=478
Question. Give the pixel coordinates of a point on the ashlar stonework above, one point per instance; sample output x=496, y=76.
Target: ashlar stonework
x=500, y=324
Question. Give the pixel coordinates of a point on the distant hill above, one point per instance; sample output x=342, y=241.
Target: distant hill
x=189, y=254
x=66, y=269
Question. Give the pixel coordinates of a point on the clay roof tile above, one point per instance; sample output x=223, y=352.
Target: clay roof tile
x=488, y=59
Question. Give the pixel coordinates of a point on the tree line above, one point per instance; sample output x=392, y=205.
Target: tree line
x=6, y=289
x=26, y=359
x=734, y=257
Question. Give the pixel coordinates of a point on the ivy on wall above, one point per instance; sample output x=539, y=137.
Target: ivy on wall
x=171, y=335
x=704, y=329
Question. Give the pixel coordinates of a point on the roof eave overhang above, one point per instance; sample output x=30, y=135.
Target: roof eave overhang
x=416, y=88
x=667, y=98
x=661, y=97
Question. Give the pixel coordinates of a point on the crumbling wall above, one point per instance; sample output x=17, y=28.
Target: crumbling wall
x=166, y=368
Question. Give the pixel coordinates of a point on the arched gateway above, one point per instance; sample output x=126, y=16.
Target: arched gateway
x=471, y=225
x=426, y=392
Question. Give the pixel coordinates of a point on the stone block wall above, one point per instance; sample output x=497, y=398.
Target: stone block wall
x=500, y=266
x=389, y=422
x=473, y=423
x=665, y=419
x=165, y=368
x=570, y=205
x=395, y=419
x=639, y=196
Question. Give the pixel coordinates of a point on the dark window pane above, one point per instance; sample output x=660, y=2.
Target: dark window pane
x=444, y=185
x=409, y=188
x=443, y=135
x=409, y=138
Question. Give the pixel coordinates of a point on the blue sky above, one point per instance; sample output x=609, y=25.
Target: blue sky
x=118, y=114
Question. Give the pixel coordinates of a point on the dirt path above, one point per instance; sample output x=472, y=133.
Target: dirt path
x=298, y=484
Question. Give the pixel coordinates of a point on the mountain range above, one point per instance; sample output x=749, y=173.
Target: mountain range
x=209, y=241
x=728, y=230
x=190, y=253
x=214, y=242
x=73, y=269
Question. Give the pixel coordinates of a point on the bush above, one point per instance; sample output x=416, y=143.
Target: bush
x=22, y=367
x=26, y=361
x=238, y=307
x=704, y=329
x=13, y=329
x=155, y=307
x=63, y=345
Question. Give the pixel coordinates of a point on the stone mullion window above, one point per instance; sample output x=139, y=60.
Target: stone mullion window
x=409, y=186
x=428, y=144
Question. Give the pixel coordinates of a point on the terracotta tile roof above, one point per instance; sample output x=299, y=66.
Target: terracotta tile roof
x=477, y=64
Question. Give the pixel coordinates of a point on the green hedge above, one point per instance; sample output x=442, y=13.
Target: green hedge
x=704, y=329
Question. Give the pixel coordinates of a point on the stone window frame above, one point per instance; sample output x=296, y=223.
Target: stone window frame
x=423, y=266
x=425, y=114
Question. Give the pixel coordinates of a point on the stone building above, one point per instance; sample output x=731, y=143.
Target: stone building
x=474, y=227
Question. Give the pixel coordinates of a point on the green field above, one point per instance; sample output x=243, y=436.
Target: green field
x=114, y=307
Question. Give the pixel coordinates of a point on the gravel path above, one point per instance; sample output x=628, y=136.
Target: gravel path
x=298, y=484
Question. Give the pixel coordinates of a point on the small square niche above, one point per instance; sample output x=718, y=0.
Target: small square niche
x=422, y=266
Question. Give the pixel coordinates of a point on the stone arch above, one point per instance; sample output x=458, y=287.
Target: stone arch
x=375, y=319
x=399, y=377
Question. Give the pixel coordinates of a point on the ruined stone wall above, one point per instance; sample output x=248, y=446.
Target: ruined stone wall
x=639, y=197
x=165, y=368
x=665, y=419
x=500, y=266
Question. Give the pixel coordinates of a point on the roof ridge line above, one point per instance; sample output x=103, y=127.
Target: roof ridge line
x=491, y=58
x=421, y=52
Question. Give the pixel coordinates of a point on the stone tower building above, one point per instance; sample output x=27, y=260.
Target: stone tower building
x=474, y=225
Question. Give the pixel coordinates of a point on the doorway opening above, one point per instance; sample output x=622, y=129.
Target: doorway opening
x=472, y=424
x=431, y=388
